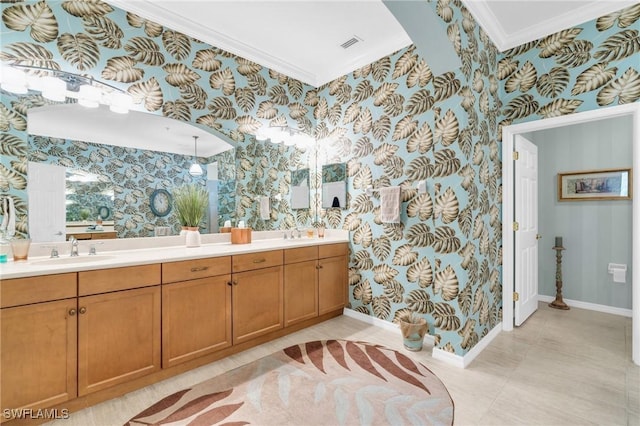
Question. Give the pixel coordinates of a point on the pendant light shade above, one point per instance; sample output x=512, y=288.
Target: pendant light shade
x=195, y=169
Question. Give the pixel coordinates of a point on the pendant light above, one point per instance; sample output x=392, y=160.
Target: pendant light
x=195, y=169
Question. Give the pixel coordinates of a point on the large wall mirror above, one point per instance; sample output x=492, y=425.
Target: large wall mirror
x=138, y=153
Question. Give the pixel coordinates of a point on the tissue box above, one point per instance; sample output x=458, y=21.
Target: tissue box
x=240, y=235
x=225, y=229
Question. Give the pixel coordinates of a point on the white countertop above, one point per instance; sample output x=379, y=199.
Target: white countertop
x=122, y=252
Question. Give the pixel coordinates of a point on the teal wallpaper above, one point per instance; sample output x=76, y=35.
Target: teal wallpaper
x=392, y=122
x=590, y=66
x=395, y=123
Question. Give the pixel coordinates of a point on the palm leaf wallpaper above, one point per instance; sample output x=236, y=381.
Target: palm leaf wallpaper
x=392, y=122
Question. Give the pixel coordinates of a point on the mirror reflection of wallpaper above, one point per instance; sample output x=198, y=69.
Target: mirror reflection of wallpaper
x=226, y=185
x=88, y=196
x=334, y=173
x=264, y=168
x=300, y=177
x=133, y=174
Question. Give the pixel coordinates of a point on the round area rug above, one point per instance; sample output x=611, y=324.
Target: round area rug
x=325, y=382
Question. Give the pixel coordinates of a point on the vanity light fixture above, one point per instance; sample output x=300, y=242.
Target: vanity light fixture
x=195, y=169
x=13, y=80
x=57, y=85
x=284, y=134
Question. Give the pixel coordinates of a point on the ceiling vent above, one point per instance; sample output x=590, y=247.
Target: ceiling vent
x=353, y=40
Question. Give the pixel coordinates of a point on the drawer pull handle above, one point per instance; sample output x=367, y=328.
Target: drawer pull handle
x=199, y=268
x=72, y=312
x=82, y=310
x=260, y=260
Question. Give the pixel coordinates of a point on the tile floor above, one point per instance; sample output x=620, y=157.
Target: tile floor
x=560, y=368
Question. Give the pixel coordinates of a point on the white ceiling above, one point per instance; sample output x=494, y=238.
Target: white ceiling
x=510, y=23
x=302, y=38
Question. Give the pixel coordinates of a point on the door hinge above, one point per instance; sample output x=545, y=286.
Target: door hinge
x=516, y=296
x=516, y=155
x=516, y=226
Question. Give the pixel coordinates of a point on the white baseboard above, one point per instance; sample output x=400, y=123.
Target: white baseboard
x=428, y=339
x=439, y=354
x=466, y=359
x=590, y=306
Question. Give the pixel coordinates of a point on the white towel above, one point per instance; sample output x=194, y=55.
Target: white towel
x=265, y=209
x=390, y=204
x=9, y=218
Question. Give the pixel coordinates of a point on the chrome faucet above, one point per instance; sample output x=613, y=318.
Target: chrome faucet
x=92, y=248
x=293, y=230
x=74, y=246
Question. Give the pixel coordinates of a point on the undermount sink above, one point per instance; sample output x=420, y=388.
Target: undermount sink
x=72, y=260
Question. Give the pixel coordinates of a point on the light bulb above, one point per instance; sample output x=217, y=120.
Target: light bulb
x=89, y=96
x=13, y=80
x=120, y=102
x=54, y=89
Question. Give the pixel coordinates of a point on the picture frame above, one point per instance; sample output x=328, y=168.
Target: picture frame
x=595, y=185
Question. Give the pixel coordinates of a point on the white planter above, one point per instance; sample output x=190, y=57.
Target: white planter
x=192, y=237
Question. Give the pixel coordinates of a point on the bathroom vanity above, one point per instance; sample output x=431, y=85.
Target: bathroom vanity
x=79, y=331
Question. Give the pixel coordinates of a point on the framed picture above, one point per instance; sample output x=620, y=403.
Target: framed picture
x=614, y=184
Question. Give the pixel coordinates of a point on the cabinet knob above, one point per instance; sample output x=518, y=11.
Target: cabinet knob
x=234, y=282
x=72, y=312
x=229, y=283
x=82, y=310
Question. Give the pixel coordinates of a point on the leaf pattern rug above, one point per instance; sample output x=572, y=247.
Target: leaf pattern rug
x=330, y=382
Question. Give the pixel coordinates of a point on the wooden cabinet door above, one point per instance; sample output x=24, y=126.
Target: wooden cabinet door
x=257, y=303
x=38, y=351
x=300, y=291
x=118, y=337
x=332, y=283
x=196, y=318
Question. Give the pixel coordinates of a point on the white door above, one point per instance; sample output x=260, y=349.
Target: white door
x=526, y=237
x=47, y=208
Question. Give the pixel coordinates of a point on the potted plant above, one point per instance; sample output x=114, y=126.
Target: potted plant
x=191, y=201
x=413, y=328
x=84, y=214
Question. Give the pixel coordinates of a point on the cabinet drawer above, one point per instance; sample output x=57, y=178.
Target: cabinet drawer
x=105, y=280
x=301, y=254
x=331, y=250
x=197, y=268
x=23, y=291
x=250, y=261
x=102, y=235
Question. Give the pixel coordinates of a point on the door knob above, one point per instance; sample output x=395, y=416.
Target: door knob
x=538, y=237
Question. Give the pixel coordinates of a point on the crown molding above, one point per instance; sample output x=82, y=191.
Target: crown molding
x=154, y=12
x=503, y=41
x=316, y=78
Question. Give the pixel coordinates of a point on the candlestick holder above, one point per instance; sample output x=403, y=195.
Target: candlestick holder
x=558, y=303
